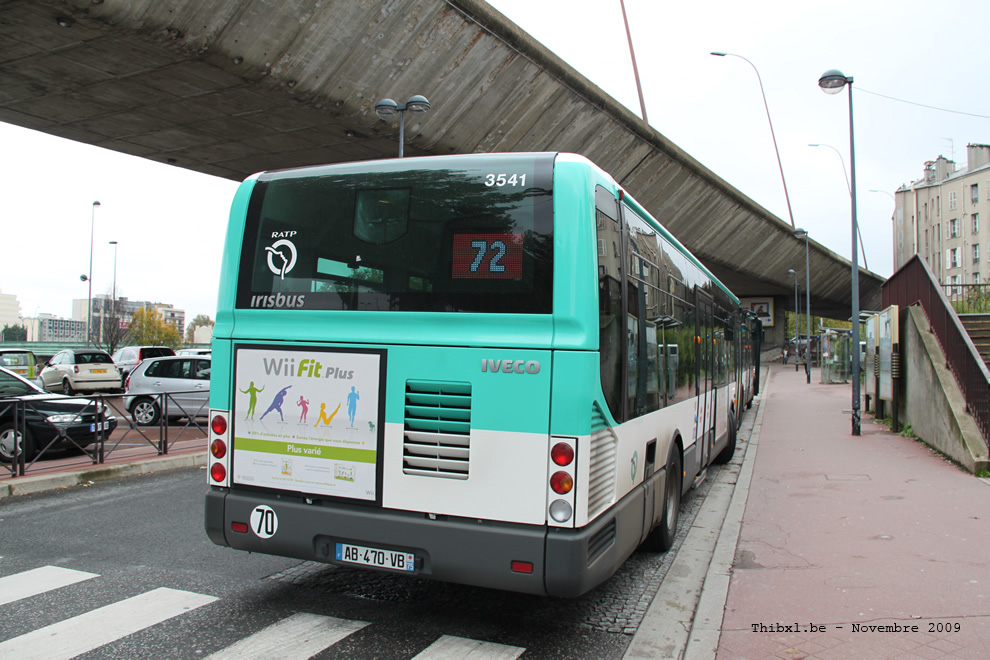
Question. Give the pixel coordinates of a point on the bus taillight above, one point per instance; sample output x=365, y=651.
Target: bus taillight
x=561, y=483
x=219, y=424
x=219, y=448
x=218, y=472
x=562, y=454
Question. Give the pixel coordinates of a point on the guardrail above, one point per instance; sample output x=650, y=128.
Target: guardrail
x=915, y=283
x=101, y=427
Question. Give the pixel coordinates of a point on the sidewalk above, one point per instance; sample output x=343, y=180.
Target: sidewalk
x=851, y=547
x=134, y=455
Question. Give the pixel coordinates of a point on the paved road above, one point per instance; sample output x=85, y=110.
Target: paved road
x=130, y=574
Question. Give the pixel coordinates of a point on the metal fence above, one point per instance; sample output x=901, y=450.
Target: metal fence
x=913, y=284
x=968, y=298
x=97, y=445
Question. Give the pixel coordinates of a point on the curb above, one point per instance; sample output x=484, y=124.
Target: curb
x=685, y=617
x=42, y=483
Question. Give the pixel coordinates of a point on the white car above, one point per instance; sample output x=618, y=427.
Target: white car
x=81, y=370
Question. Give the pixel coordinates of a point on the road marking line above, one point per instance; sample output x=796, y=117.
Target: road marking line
x=449, y=647
x=83, y=633
x=38, y=581
x=298, y=636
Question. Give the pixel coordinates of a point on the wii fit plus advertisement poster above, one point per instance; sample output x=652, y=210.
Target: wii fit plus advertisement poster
x=308, y=420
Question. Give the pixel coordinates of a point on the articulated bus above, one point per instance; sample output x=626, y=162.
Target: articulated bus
x=490, y=369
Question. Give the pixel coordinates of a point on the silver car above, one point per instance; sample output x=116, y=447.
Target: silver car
x=180, y=385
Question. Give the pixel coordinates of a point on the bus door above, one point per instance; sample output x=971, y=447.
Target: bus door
x=706, y=373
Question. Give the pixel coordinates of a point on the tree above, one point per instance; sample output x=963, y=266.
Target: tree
x=200, y=321
x=113, y=331
x=148, y=328
x=14, y=333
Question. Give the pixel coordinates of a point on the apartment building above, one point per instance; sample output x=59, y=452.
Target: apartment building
x=943, y=218
x=50, y=328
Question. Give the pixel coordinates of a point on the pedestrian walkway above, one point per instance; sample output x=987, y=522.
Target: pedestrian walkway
x=851, y=547
x=134, y=455
x=295, y=637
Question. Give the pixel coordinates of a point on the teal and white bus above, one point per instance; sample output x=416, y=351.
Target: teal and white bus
x=490, y=369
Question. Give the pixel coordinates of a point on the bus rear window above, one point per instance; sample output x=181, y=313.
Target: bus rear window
x=433, y=234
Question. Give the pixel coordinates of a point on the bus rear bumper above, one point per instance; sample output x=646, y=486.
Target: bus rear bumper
x=482, y=553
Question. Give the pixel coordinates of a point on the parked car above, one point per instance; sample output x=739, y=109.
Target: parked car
x=194, y=351
x=80, y=369
x=21, y=362
x=129, y=357
x=46, y=417
x=179, y=383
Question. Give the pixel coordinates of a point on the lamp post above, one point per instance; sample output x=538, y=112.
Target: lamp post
x=386, y=109
x=845, y=176
x=774, y=137
x=832, y=82
x=799, y=234
x=797, y=311
x=89, y=293
x=114, y=244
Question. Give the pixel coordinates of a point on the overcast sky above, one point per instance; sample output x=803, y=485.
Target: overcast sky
x=170, y=223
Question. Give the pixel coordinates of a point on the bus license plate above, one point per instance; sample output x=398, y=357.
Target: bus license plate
x=359, y=554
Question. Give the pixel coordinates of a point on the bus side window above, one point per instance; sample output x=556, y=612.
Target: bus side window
x=610, y=330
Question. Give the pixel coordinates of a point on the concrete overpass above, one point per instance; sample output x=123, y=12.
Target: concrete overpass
x=233, y=87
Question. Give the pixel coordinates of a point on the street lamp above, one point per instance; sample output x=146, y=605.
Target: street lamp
x=799, y=234
x=832, y=82
x=797, y=311
x=386, y=109
x=774, y=137
x=114, y=244
x=845, y=176
x=89, y=278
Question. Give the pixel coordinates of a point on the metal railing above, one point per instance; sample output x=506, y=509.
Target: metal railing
x=97, y=445
x=968, y=298
x=914, y=283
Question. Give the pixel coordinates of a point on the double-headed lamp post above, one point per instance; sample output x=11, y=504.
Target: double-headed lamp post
x=89, y=278
x=799, y=234
x=797, y=312
x=386, y=109
x=832, y=82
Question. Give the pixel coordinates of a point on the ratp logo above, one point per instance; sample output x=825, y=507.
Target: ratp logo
x=285, y=262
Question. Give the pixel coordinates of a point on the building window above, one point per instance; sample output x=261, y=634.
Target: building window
x=976, y=253
x=976, y=278
x=952, y=199
x=952, y=256
x=953, y=228
x=976, y=223
x=974, y=193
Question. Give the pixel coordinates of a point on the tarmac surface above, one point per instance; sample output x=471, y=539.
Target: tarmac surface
x=811, y=543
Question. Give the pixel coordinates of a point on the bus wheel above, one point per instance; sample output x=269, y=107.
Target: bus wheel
x=661, y=538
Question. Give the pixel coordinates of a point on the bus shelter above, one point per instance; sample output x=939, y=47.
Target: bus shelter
x=836, y=359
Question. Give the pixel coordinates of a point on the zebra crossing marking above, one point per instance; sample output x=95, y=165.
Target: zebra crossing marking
x=38, y=581
x=80, y=634
x=298, y=636
x=449, y=647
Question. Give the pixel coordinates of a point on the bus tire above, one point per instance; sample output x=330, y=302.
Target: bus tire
x=725, y=455
x=661, y=538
